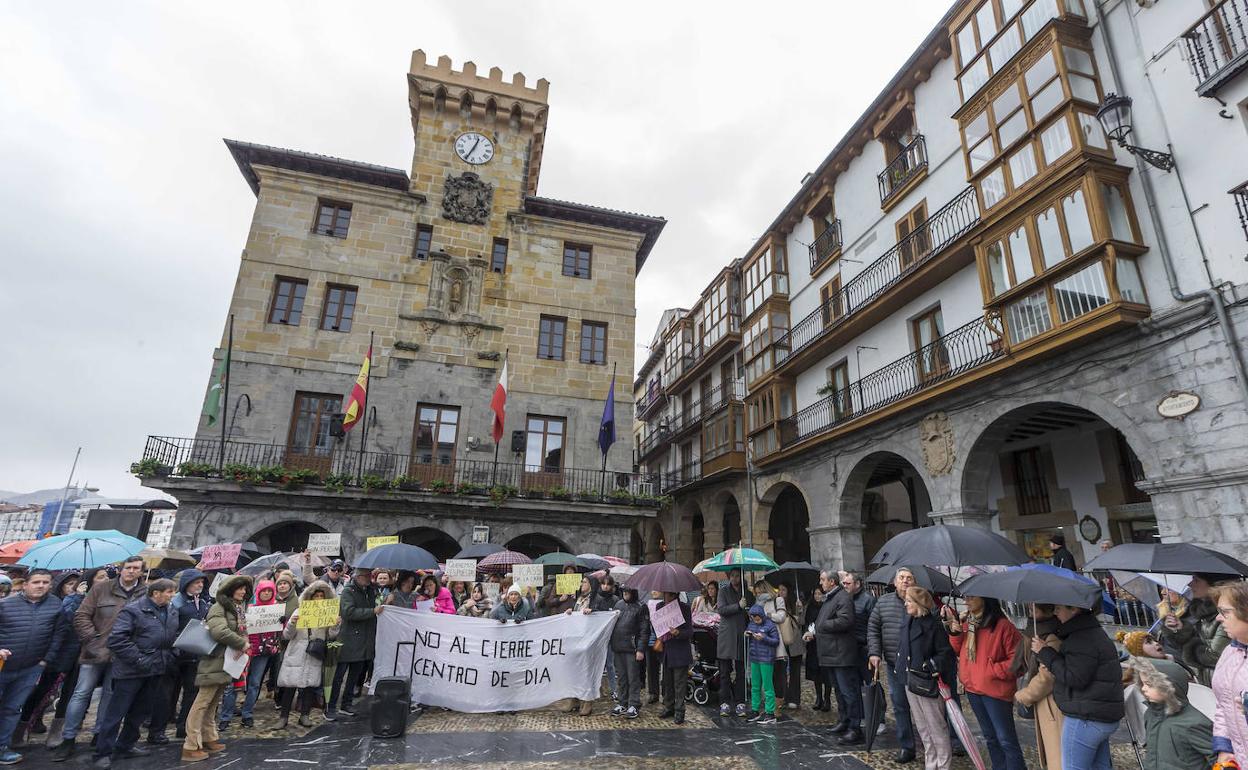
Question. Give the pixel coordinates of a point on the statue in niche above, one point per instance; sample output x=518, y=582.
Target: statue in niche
x=457, y=295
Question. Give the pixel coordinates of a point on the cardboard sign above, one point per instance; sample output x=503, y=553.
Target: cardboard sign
x=491, y=591
x=318, y=613
x=461, y=569
x=266, y=619
x=666, y=618
x=325, y=543
x=425, y=605
x=216, y=583
x=567, y=583
x=527, y=576
x=480, y=535
x=373, y=542
x=220, y=556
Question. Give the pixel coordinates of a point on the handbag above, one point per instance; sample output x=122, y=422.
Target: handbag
x=317, y=648
x=195, y=639
x=922, y=682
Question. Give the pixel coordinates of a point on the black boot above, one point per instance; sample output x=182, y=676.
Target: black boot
x=840, y=727
x=852, y=736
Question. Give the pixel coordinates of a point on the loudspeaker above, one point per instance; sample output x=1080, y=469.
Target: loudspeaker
x=132, y=522
x=518, y=441
x=390, y=709
x=335, y=425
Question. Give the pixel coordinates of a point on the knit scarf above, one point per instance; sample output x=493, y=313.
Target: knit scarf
x=973, y=623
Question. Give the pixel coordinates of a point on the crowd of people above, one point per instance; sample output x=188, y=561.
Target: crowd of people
x=120, y=631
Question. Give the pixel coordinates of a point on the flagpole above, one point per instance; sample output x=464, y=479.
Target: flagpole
x=368, y=379
x=225, y=396
x=602, y=485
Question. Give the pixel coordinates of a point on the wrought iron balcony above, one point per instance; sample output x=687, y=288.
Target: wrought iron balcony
x=827, y=244
x=1217, y=45
x=1241, y=205
x=262, y=464
x=722, y=395
x=961, y=350
x=682, y=476
x=654, y=398
x=658, y=437
x=908, y=164
x=947, y=225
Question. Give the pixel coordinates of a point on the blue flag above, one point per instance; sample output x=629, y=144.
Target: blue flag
x=606, y=430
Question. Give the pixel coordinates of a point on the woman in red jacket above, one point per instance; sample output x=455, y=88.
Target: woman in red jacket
x=985, y=641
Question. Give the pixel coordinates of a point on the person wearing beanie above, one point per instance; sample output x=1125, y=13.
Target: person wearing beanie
x=1062, y=557
x=1179, y=737
x=764, y=639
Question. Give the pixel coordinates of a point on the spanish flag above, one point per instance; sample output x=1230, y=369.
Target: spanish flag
x=358, y=399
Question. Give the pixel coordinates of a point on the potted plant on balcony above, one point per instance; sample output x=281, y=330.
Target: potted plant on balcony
x=150, y=468
x=468, y=488
x=300, y=477
x=441, y=487
x=338, y=482
x=559, y=493
x=621, y=496
x=588, y=495
x=196, y=470
x=406, y=483
x=242, y=474
x=374, y=483
x=500, y=492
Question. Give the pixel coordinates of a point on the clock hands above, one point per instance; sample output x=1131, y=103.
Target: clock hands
x=468, y=154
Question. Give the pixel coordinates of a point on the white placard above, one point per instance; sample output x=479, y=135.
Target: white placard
x=236, y=662
x=424, y=605
x=265, y=619
x=325, y=543
x=526, y=576
x=666, y=618
x=461, y=569
x=491, y=592
x=478, y=666
x=216, y=583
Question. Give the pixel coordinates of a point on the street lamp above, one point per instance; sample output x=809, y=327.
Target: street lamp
x=1115, y=117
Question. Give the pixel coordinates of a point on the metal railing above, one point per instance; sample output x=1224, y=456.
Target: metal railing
x=906, y=166
x=654, y=397
x=682, y=476
x=949, y=223
x=827, y=244
x=1217, y=44
x=402, y=470
x=961, y=350
x=1241, y=205
x=722, y=395
x=701, y=347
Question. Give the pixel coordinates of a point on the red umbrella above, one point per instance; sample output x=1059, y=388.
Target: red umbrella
x=615, y=561
x=501, y=563
x=11, y=552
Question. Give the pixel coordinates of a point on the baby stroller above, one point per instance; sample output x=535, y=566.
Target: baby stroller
x=704, y=674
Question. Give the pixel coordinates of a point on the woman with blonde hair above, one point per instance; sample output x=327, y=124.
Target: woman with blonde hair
x=923, y=654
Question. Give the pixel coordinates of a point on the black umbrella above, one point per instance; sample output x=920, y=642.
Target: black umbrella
x=479, y=551
x=1035, y=584
x=1174, y=558
x=665, y=576
x=933, y=580
x=950, y=545
x=872, y=708
x=412, y=558
x=801, y=574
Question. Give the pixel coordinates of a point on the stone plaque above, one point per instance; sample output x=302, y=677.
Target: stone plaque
x=467, y=198
x=936, y=443
x=1178, y=404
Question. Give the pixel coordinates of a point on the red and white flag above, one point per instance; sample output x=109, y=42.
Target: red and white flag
x=499, y=402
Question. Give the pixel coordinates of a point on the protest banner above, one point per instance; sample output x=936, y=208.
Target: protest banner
x=325, y=543
x=216, y=583
x=461, y=569
x=523, y=575
x=265, y=619
x=474, y=666
x=220, y=556
x=568, y=583
x=666, y=618
x=318, y=613
x=373, y=542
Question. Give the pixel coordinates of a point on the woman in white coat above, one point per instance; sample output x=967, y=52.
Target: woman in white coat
x=301, y=669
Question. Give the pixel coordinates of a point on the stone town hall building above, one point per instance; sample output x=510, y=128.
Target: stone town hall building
x=453, y=267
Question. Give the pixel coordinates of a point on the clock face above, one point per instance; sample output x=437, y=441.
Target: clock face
x=474, y=148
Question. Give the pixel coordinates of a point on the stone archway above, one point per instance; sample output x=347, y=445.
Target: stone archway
x=1050, y=466
x=286, y=536
x=435, y=541
x=727, y=512
x=535, y=544
x=883, y=495
x=786, y=522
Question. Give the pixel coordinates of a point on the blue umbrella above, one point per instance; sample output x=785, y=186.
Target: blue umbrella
x=84, y=549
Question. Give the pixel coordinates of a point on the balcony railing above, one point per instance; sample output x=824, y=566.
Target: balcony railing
x=682, y=476
x=191, y=457
x=906, y=166
x=827, y=244
x=651, y=400
x=961, y=350
x=949, y=223
x=1217, y=45
x=1241, y=205
x=722, y=395
x=657, y=437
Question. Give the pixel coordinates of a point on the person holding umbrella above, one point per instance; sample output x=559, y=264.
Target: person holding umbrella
x=883, y=641
x=731, y=604
x=924, y=652
x=677, y=658
x=1037, y=693
x=986, y=641
x=1087, y=685
x=1199, y=636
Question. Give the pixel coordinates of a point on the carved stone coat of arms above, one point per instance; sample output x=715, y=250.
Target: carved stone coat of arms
x=936, y=443
x=467, y=198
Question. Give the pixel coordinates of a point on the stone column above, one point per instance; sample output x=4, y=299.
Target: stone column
x=963, y=517
x=837, y=547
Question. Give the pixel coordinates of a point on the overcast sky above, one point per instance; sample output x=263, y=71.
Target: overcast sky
x=123, y=215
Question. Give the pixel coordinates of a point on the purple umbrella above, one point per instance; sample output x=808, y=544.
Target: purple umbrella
x=664, y=576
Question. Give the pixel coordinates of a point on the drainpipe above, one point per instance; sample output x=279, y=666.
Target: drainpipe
x=1211, y=295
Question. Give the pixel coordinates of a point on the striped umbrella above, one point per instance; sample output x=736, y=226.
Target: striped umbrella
x=501, y=563
x=615, y=561
x=737, y=558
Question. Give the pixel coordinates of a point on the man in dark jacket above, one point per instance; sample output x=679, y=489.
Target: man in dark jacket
x=358, y=633
x=838, y=656
x=1062, y=557
x=57, y=670
x=677, y=658
x=92, y=623
x=141, y=641
x=30, y=636
x=883, y=638
x=730, y=649
x=191, y=602
x=628, y=647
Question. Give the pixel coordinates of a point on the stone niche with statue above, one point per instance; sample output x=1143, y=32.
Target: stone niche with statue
x=454, y=299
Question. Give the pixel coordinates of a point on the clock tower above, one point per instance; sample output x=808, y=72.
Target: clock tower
x=478, y=146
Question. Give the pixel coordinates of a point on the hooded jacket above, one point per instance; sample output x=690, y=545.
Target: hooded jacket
x=225, y=628
x=632, y=626
x=1201, y=639
x=268, y=643
x=1179, y=736
x=31, y=631
x=762, y=650
x=141, y=639
x=1037, y=691
x=596, y=600
x=1087, y=677
x=94, y=618
x=299, y=669
x=189, y=607
x=67, y=657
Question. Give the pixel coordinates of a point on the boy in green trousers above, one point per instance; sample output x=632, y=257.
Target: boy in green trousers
x=764, y=638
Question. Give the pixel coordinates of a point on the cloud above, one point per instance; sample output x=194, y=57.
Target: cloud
x=123, y=215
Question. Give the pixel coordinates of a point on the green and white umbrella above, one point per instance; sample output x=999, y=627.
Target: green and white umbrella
x=738, y=558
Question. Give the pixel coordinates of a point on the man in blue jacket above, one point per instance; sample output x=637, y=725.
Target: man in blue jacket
x=31, y=631
x=141, y=642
